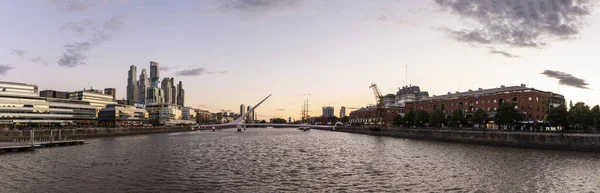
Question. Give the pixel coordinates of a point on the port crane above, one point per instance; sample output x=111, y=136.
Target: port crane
x=380, y=104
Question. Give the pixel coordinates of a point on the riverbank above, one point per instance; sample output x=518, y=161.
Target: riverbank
x=81, y=133
x=556, y=141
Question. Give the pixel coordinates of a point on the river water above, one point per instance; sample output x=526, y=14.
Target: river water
x=280, y=160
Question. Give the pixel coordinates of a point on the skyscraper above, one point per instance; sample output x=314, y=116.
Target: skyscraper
x=166, y=87
x=144, y=84
x=173, y=92
x=112, y=92
x=132, y=87
x=248, y=117
x=342, y=112
x=242, y=109
x=328, y=111
x=155, y=95
x=154, y=74
x=180, y=94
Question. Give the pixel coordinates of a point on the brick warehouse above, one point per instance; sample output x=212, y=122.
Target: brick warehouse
x=369, y=115
x=532, y=103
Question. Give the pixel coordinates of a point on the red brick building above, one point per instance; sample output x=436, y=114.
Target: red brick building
x=532, y=103
x=369, y=115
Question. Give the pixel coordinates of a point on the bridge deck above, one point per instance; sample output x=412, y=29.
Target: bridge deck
x=25, y=146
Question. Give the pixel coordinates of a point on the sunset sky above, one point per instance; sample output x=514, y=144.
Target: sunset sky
x=232, y=52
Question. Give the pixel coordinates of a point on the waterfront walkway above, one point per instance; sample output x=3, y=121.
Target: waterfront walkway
x=27, y=146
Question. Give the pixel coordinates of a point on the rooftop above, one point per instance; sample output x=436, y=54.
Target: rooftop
x=481, y=92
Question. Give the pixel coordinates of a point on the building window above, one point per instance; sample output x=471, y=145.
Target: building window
x=529, y=98
x=494, y=108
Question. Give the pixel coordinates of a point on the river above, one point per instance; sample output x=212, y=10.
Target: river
x=280, y=160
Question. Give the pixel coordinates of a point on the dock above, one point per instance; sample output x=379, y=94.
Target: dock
x=6, y=147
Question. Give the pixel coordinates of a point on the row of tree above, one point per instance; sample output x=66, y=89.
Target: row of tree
x=578, y=117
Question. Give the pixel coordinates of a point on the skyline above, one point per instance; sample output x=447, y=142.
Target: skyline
x=330, y=50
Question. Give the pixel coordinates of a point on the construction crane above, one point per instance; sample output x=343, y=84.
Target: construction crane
x=380, y=103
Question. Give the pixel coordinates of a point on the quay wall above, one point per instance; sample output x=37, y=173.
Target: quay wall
x=86, y=133
x=559, y=141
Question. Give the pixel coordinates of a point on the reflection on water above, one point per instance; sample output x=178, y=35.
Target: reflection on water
x=275, y=160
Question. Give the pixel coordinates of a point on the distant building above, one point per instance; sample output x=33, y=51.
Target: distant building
x=116, y=115
x=173, y=92
x=188, y=113
x=132, y=84
x=166, y=114
x=143, y=85
x=203, y=116
x=180, y=94
x=54, y=94
x=328, y=111
x=155, y=95
x=289, y=119
x=242, y=109
x=154, y=75
x=342, y=112
x=112, y=92
x=167, y=92
x=95, y=98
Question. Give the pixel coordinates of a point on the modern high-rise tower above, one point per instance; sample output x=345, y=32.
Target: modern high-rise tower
x=166, y=87
x=180, y=94
x=342, y=112
x=242, y=109
x=132, y=87
x=154, y=74
x=144, y=84
x=173, y=92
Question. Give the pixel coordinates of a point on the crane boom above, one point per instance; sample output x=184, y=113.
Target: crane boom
x=380, y=103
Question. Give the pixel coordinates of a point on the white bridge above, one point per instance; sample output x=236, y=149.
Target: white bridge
x=240, y=125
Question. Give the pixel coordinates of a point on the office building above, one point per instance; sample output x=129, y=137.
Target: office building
x=328, y=111
x=180, y=94
x=54, y=94
x=188, y=113
x=342, y=112
x=112, y=92
x=94, y=97
x=155, y=95
x=144, y=84
x=116, y=115
x=132, y=84
x=203, y=116
x=154, y=76
x=167, y=92
x=166, y=114
x=249, y=116
x=173, y=92
x=20, y=106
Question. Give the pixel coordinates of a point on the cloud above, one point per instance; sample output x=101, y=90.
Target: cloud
x=504, y=53
x=198, y=72
x=566, y=79
x=18, y=52
x=95, y=34
x=39, y=60
x=280, y=109
x=256, y=5
x=79, y=5
x=166, y=68
x=4, y=68
x=523, y=23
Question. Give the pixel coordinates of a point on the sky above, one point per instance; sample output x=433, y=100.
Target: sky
x=232, y=52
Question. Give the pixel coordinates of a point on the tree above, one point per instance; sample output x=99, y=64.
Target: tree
x=263, y=121
x=579, y=116
x=437, y=118
x=479, y=117
x=421, y=118
x=457, y=118
x=557, y=116
x=507, y=114
x=345, y=119
x=409, y=119
x=595, y=117
x=397, y=120
x=279, y=120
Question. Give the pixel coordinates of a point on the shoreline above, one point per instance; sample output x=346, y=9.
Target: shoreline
x=82, y=133
x=532, y=140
